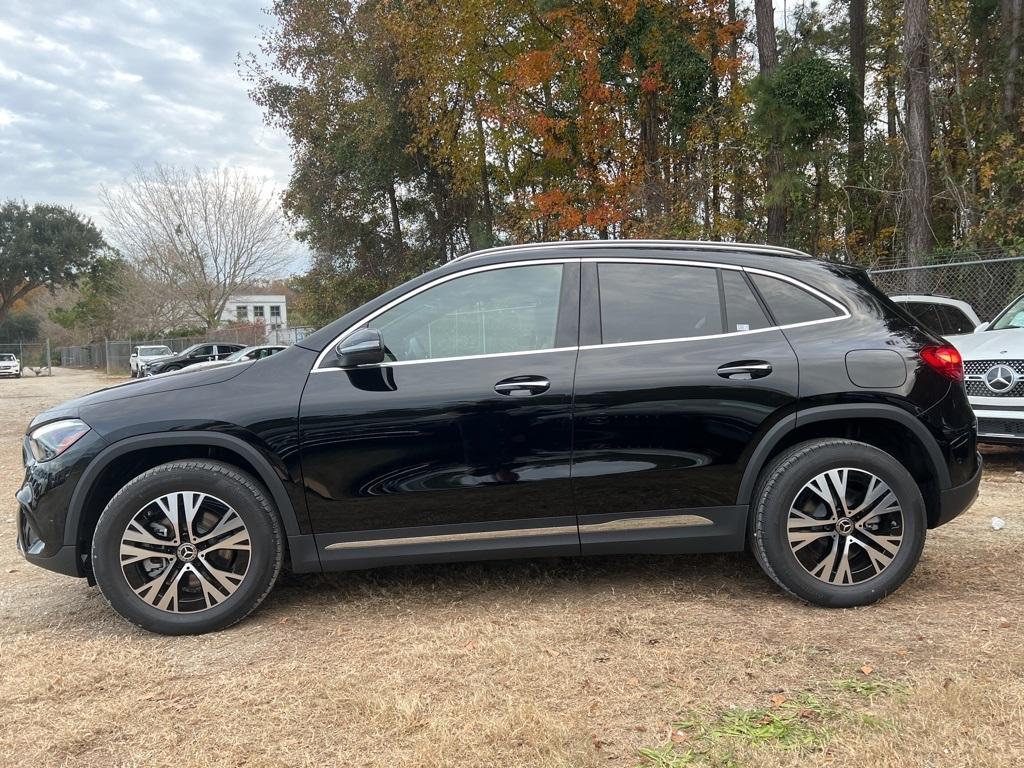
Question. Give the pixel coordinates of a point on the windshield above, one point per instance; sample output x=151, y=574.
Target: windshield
x=1012, y=317
x=236, y=356
x=150, y=351
x=7, y=357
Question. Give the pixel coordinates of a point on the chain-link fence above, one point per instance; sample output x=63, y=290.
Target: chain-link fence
x=114, y=356
x=34, y=357
x=987, y=284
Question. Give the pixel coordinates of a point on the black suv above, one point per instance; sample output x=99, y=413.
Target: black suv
x=552, y=399
x=197, y=353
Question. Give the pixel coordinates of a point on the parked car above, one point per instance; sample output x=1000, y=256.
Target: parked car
x=141, y=357
x=244, y=355
x=543, y=400
x=994, y=366
x=10, y=365
x=940, y=314
x=197, y=353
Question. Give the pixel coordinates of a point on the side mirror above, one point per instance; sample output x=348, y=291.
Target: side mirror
x=982, y=327
x=364, y=347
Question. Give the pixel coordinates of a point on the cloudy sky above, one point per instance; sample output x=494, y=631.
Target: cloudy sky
x=89, y=90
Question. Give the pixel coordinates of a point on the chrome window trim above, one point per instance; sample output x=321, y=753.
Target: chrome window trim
x=844, y=312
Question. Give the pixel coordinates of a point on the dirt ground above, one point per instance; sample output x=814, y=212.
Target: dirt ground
x=655, y=661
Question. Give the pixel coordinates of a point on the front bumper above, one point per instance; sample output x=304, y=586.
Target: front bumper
x=956, y=500
x=1000, y=425
x=43, y=502
x=10, y=371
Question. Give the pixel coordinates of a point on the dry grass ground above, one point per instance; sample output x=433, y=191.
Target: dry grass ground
x=614, y=661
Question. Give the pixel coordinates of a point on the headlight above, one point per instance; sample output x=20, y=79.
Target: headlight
x=51, y=440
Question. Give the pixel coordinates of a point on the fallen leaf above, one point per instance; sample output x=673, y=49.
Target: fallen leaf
x=552, y=652
x=678, y=735
x=778, y=700
x=867, y=669
x=633, y=681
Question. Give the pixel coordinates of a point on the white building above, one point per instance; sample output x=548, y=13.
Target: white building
x=269, y=309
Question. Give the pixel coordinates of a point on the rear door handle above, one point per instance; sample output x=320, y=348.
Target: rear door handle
x=745, y=369
x=522, y=386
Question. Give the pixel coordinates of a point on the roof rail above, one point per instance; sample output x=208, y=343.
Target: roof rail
x=686, y=244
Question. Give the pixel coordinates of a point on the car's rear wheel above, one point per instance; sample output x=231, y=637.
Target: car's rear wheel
x=838, y=523
x=188, y=547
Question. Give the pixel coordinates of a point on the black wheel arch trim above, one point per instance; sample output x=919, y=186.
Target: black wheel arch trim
x=265, y=471
x=759, y=456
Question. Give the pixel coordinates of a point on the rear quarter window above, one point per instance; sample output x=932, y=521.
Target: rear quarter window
x=791, y=304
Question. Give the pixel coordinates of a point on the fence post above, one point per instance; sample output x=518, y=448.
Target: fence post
x=106, y=353
x=49, y=370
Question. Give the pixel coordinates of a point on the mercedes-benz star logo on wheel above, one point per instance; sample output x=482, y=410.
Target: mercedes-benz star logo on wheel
x=1000, y=378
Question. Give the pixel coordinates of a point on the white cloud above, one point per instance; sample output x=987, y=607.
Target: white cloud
x=88, y=94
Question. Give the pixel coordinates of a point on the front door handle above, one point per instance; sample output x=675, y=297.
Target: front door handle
x=522, y=386
x=745, y=370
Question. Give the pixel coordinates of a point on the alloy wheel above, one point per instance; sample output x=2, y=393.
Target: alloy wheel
x=845, y=526
x=185, y=552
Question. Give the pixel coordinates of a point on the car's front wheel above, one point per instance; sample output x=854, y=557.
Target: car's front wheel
x=188, y=547
x=838, y=523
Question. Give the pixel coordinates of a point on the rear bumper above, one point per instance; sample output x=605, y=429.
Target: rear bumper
x=958, y=499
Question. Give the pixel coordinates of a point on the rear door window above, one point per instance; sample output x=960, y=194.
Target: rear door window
x=791, y=304
x=649, y=302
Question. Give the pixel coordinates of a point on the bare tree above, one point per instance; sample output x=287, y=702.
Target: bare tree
x=768, y=60
x=918, y=131
x=207, y=233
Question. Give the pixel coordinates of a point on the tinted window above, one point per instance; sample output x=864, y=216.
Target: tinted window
x=742, y=310
x=202, y=351
x=644, y=302
x=502, y=310
x=953, y=320
x=791, y=304
x=924, y=314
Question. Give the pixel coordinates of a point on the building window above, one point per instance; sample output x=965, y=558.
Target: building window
x=257, y=312
x=241, y=313
x=275, y=315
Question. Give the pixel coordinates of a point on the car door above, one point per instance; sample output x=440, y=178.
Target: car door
x=459, y=445
x=680, y=368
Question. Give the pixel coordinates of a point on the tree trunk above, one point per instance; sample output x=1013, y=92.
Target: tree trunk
x=1011, y=22
x=649, y=148
x=396, y=221
x=485, y=181
x=888, y=30
x=738, y=172
x=918, y=132
x=768, y=60
x=855, y=143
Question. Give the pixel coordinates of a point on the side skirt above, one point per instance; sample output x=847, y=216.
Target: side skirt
x=706, y=529
x=703, y=529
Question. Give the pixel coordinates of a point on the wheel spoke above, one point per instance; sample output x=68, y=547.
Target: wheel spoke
x=879, y=560
x=226, y=580
x=228, y=524
x=238, y=542
x=154, y=592
x=132, y=554
x=820, y=487
x=800, y=540
x=824, y=569
x=137, y=534
x=169, y=506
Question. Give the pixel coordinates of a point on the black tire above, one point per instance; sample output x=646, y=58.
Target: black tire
x=789, y=475
x=234, y=490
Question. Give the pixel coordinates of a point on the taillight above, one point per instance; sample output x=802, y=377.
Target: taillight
x=945, y=360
